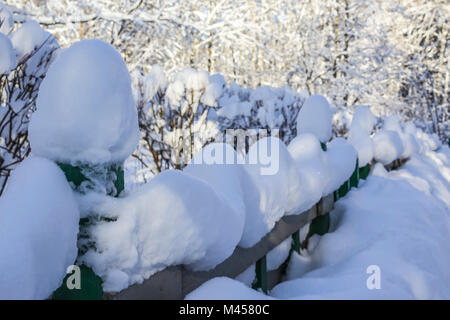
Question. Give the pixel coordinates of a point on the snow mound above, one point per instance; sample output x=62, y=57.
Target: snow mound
x=341, y=162
x=223, y=288
x=363, y=144
x=174, y=219
x=388, y=146
x=276, y=179
x=85, y=107
x=27, y=38
x=374, y=230
x=7, y=55
x=210, y=165
x=38, y=230
x=311, y=165
x=315, y=117
x=363, y=119
x=6, y=20
x=392, y=123
x=362, y=125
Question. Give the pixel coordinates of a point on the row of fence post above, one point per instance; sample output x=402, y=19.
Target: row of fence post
x=91, y=283
x=318, y=226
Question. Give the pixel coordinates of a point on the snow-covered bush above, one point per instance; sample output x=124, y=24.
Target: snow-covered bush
x=174, y=118
x=25, y=55
x=177, y=118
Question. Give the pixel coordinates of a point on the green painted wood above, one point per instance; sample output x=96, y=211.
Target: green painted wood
x=261, y=275
x=364, y=172
x=295, y=245
x=74, y=174
x=319, y=225
x=354, y=179
x=91, y=288
x=343, y=189
x=324, y=146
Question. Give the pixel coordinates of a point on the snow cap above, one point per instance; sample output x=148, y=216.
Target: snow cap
x=85, y=108
x=315, y=117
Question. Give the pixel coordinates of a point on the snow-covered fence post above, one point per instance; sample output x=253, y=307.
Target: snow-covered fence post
x=86, y=122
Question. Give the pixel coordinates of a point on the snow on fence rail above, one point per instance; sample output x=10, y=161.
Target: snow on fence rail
x=209, y=219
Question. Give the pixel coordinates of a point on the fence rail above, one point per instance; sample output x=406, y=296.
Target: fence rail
x=176, y=282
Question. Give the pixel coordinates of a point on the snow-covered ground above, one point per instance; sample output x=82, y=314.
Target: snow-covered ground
x=396, y=224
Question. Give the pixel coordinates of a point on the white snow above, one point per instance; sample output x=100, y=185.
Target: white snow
x=278, y=255
x=315, y=117
x=231, y=107
x=213, y=90
x=38, y=230
x=174, y=219
x=274, y=175
x=27, y=38
x=398, y=221
x=362, y=125
x=363, y=119
x=6, y=20
x=155, y=80
x=362, y=142
x=228, y=180
x=388, y=146
x=341, y=162
x=312, y=168
x=223, y=288
x=85, y=107
x=7, y=55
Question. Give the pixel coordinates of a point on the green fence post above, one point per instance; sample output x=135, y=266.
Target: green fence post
x=354, y=179
x=364, y=172
x=91, y=288
x=343, y=189
x=295, y=246
x=319, y=225
x=261, y=275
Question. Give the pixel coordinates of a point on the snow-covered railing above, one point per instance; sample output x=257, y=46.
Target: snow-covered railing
x=213, y=218
x=176, y=282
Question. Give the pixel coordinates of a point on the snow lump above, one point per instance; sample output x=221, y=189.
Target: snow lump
x=85, y=107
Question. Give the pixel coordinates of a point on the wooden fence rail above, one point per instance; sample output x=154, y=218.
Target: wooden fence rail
x=176, y=282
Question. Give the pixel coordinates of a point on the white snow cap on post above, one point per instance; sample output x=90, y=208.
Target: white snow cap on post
x=315, y=117
x=85, y=107
x=359, y=135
